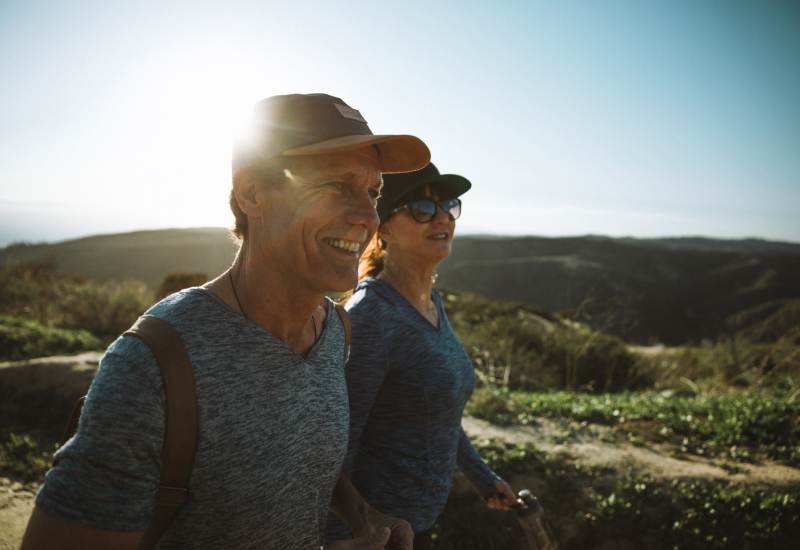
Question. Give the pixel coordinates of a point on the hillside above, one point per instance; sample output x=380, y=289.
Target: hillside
x=672, y=290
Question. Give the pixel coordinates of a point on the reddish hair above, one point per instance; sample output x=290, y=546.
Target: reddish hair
x=371, y=262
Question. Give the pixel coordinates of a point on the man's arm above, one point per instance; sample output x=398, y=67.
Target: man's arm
x=46, y=532
x=100, y=493
x=364, y=520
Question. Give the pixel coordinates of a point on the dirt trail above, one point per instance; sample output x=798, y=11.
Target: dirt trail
x=16, y=504
x=586, y=447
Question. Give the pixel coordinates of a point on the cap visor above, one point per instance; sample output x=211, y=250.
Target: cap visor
x=397, y=153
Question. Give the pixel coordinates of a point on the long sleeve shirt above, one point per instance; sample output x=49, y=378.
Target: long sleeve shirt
x=408, y=382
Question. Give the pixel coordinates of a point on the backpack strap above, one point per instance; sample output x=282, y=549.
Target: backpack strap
x=348, y=329
x=181, y=431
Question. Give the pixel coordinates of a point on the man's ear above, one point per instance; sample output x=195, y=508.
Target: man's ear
x=245, y=187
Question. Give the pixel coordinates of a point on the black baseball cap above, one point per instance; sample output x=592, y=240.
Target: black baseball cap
x=314, y=124
x=398, y=189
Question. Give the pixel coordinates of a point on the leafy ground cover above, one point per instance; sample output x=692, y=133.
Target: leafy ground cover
x=592, y=507
x=20, y=455
x=738, y=426
x=25, y=338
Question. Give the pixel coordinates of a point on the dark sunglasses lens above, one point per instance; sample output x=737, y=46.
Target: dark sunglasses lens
x=452, y=207
x=423, y=210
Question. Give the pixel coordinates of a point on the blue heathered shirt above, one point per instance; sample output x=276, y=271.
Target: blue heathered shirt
x=273, y=435
x=408, y=383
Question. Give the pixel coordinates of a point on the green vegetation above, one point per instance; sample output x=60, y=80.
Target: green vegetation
x=21, y=339
x=731, y=363
x=589, y=506
x=736, y=426
x=39, y=293
x=21, y=456
x=518, y=347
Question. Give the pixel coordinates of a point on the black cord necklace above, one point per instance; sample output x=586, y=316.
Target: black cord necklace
x=241, y=308
x=236, y=294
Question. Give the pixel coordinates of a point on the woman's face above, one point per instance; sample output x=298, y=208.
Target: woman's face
x=430, y=242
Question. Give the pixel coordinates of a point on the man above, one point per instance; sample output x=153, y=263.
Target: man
x=267, y=352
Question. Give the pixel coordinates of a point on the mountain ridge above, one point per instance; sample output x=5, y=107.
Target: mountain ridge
x=672, y=289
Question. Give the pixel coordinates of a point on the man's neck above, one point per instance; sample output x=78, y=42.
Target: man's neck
x=277, y=302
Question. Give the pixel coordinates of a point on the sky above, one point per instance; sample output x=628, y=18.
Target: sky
x=620, y=118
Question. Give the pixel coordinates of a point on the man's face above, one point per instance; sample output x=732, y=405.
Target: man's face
x=315, y=225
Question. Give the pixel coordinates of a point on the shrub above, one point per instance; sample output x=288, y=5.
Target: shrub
x=520, y=348
x=40, y=293
x=22, y=339
x=21, y=455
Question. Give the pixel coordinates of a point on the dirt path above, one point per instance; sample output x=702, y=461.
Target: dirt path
x=586, y=447
x=16, y=504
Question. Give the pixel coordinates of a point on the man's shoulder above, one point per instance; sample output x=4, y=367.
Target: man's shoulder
x=184, y=304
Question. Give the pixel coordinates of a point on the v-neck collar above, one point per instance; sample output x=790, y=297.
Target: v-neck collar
x=381, y=285
x=308, y=357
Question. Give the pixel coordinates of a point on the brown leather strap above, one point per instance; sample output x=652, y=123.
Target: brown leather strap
x=348, y=330
x=72, y=426
x=181, y=430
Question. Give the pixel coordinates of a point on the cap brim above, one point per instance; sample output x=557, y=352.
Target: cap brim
x=396, y=153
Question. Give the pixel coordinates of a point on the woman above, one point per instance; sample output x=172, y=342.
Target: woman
x=408, y=374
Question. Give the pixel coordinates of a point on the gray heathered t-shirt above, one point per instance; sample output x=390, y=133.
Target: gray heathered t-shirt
x=273, y=435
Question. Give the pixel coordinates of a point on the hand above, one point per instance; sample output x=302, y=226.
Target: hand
x=505, y=499
x=374, y=541
x=402, y=536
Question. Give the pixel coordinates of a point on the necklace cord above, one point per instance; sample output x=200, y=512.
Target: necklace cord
x=241, y=308
x=236, y=294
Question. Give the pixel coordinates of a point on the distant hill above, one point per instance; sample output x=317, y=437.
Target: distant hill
x=647, y=290
x=672, y=290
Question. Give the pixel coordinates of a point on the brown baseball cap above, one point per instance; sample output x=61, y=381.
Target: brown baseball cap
x=315, y=124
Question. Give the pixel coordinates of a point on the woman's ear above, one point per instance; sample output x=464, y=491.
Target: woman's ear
x=385, y=233
x=245, y=188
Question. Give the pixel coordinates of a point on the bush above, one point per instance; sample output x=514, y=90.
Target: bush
x=517, y=347
x=20, y=455
x=40, y=293
x=22, y=339
x=589, y=508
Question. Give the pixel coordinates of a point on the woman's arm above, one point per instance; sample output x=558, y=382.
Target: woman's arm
x=497, y=493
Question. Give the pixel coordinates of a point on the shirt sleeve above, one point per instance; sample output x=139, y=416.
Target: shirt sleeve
x=474, y=468
x=367, y=368
x=107, y=475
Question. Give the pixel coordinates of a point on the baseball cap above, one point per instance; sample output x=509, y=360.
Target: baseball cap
x=398, y=189
x=314, y=124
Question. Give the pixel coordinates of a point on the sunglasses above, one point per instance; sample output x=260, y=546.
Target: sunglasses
x=424, y=210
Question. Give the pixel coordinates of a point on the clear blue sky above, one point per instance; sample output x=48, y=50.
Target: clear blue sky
x=616, y=117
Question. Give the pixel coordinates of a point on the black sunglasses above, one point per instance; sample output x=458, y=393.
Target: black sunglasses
x=424, y=210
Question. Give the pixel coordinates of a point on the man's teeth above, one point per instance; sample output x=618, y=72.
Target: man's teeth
x=348, y=246
x=439, y=236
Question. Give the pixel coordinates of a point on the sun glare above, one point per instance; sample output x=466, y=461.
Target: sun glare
x=188, y=107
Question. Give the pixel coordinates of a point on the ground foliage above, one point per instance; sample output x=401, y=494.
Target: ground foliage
x=24, y=338
x=520, y=348
x=21, y=456
x=737, y=426
x=39, y=292
x=587, y=507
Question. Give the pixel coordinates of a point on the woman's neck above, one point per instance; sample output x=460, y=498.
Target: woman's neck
x=413, y=282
